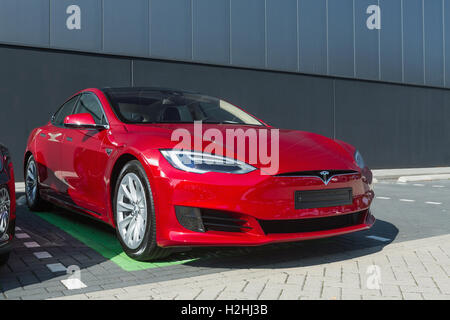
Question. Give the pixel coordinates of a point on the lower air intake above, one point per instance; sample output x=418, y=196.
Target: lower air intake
x=312, y=224
x=214, y=220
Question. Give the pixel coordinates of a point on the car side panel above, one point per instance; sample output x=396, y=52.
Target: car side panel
x=83, y=169
x=47, y=153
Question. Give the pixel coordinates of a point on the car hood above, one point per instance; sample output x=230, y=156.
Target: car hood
x=298, y=150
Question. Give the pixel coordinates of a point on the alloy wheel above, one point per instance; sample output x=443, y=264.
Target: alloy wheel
x=131, y=207
x=4, y=210
x=31, y=181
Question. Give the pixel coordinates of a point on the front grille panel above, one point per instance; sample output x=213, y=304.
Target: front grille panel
x=214, y=220
x=307, y=199
x=316, y=173
x=312, y=224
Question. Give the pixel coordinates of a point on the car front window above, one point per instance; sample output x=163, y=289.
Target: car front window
x=174, y=107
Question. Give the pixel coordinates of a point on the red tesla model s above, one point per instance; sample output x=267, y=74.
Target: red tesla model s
x=153, y=163
x=7, y=204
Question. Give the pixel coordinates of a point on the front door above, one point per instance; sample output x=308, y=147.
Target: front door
x=83, y=160
x=49, y=141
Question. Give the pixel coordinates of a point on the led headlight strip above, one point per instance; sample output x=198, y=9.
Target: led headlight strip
x=198, y=162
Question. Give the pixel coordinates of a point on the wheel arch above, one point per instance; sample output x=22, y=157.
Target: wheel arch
x=118, y=165
x=27, y=156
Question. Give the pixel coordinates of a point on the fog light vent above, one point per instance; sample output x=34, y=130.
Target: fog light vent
x=215, y=220
x=190, y=218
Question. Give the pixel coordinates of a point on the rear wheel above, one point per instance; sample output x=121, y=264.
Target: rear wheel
x=5, y=205
x=134, y=214
x=34, y=200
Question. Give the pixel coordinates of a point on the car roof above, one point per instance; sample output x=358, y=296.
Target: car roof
x=145, y=89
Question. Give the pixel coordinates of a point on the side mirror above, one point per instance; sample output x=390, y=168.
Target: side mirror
x=82, y=121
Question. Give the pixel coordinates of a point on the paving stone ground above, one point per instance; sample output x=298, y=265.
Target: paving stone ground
x=410, y=247
x=417, y=269
x=28, y=277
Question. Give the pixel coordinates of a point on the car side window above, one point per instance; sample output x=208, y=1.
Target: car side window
x=65, y=110
x=89, y=103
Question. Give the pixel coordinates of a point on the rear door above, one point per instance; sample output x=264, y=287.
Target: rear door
x=48, y=150
x=84, y=161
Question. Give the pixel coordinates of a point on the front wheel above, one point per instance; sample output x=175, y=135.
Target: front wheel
x=34, y=200
x=134, y=214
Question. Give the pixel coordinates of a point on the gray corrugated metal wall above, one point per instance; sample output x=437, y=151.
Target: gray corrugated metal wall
x=326, y=37
x=392, y=125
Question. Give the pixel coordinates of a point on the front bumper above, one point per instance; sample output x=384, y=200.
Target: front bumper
x=253, y=198
x=217, y=238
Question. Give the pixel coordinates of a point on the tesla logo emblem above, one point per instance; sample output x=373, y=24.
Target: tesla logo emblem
x=53, y=136
x=324, y=175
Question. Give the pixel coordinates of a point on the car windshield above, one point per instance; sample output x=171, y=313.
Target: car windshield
x=158, y=106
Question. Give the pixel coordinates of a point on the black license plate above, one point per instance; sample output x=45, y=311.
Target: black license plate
x=307, y=199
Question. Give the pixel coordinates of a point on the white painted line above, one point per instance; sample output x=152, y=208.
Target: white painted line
x=438, y=186
x=20, y=186
x=384, y=198
x=431, y=202
x=407, y=200
x=31, y=244
x=378, y=238
x=394, y=173
x=418, y=185
x=18, y=229
x=22, y=236
x=42, y=255
x=73, y=284
x=403, y=183
x=56, y=267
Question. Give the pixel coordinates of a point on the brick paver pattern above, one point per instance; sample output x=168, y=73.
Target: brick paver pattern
x=418, y=269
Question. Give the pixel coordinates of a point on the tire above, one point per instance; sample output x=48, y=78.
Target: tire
x=4, y=258
x=136, y=223
x=34, y=200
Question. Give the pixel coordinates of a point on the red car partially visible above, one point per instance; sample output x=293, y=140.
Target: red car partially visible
x=114, y=154
x=7, y=204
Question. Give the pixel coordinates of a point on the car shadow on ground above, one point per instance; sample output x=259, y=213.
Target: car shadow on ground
x=25, y=270
x=306, y=253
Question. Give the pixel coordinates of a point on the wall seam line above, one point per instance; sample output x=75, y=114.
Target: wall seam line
x=403, y=44
x=328, y=58
x=230, y=38
x=379, y=41
x=354, y=41
x=423, y=43
x=443, y=44
x=266, y=62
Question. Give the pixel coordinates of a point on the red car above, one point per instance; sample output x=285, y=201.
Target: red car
x=7, y=204
x=114, y=154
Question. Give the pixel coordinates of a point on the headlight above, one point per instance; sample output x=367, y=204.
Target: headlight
x=359, y=160
x=199, y=162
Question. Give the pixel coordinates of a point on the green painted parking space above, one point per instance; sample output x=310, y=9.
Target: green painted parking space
x=102, y=239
